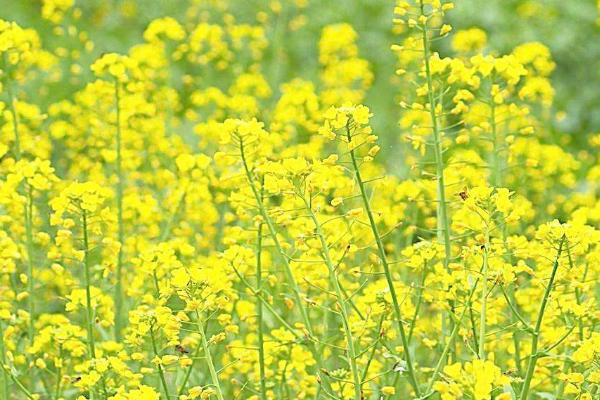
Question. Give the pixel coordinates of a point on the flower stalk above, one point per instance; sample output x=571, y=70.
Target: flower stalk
x=88, y=293
x=259, y=306
x=161, y=372
x=484, y=295
x=283, y=256
x=386, y=268
x=325, y=254
x=121, y=234
x=211, y=366
x=535, y=335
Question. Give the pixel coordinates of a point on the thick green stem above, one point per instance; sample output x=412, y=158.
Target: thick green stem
x=161, y=372
x=211, y=366
x=443, y=220
x=340, y=300
x=442, y=209
x=386, y=269
x=538, y=326
x=121, y=234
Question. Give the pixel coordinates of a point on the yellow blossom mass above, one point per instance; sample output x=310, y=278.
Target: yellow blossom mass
x=299, y=199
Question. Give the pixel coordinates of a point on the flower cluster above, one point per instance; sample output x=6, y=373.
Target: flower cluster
x=259, y=200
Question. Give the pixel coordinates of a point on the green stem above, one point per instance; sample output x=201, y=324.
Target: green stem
x=5, y=374
x=538, y=325
x=515, y=312
x=30, y=280
x=19, y=384
x=161, y=372
x=259, y=307
x=498, y=164
x=567, y=364
x=496, y=180
x=386, y=269
x=209, y=360
x=284, y=258
x=273, y=234
x=188, y=372
x=88, y=293
x=374, y=349
x=442, y=359
x=443, y=221
x=577, y=291
x=340, y=300
x=484, y=295
x=266, y=304
x=442, y=210
x=418, y=304
x=13, y=112
x=121, y=235
x=58, y=376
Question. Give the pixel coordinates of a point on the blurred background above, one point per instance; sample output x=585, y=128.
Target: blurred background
x=293, y=27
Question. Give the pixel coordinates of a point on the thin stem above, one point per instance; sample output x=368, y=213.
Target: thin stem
x=561, y=388
x=577, y=290
x=538, y=325
x=5, y=374
x=266, y=304
x=442, y=210
x=340, y=300
x=209, y=360
x=442, y=359
x=27, y=211
x=484, y=295
x=166, y=230
x=283, y=256
x=259, y=307
x=418, y=305
x=273, y=234
x=443, y=220
x=13, y=112
x=17, y=382
x=386, y=269
x=30, y=280
x=515, y=312
x=498, y=164
x=57, y=389
x=188, y=372
x=88, y=294
x=121, y=234
x=161, y=372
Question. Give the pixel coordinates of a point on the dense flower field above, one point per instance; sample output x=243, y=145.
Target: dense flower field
x=298, y=199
